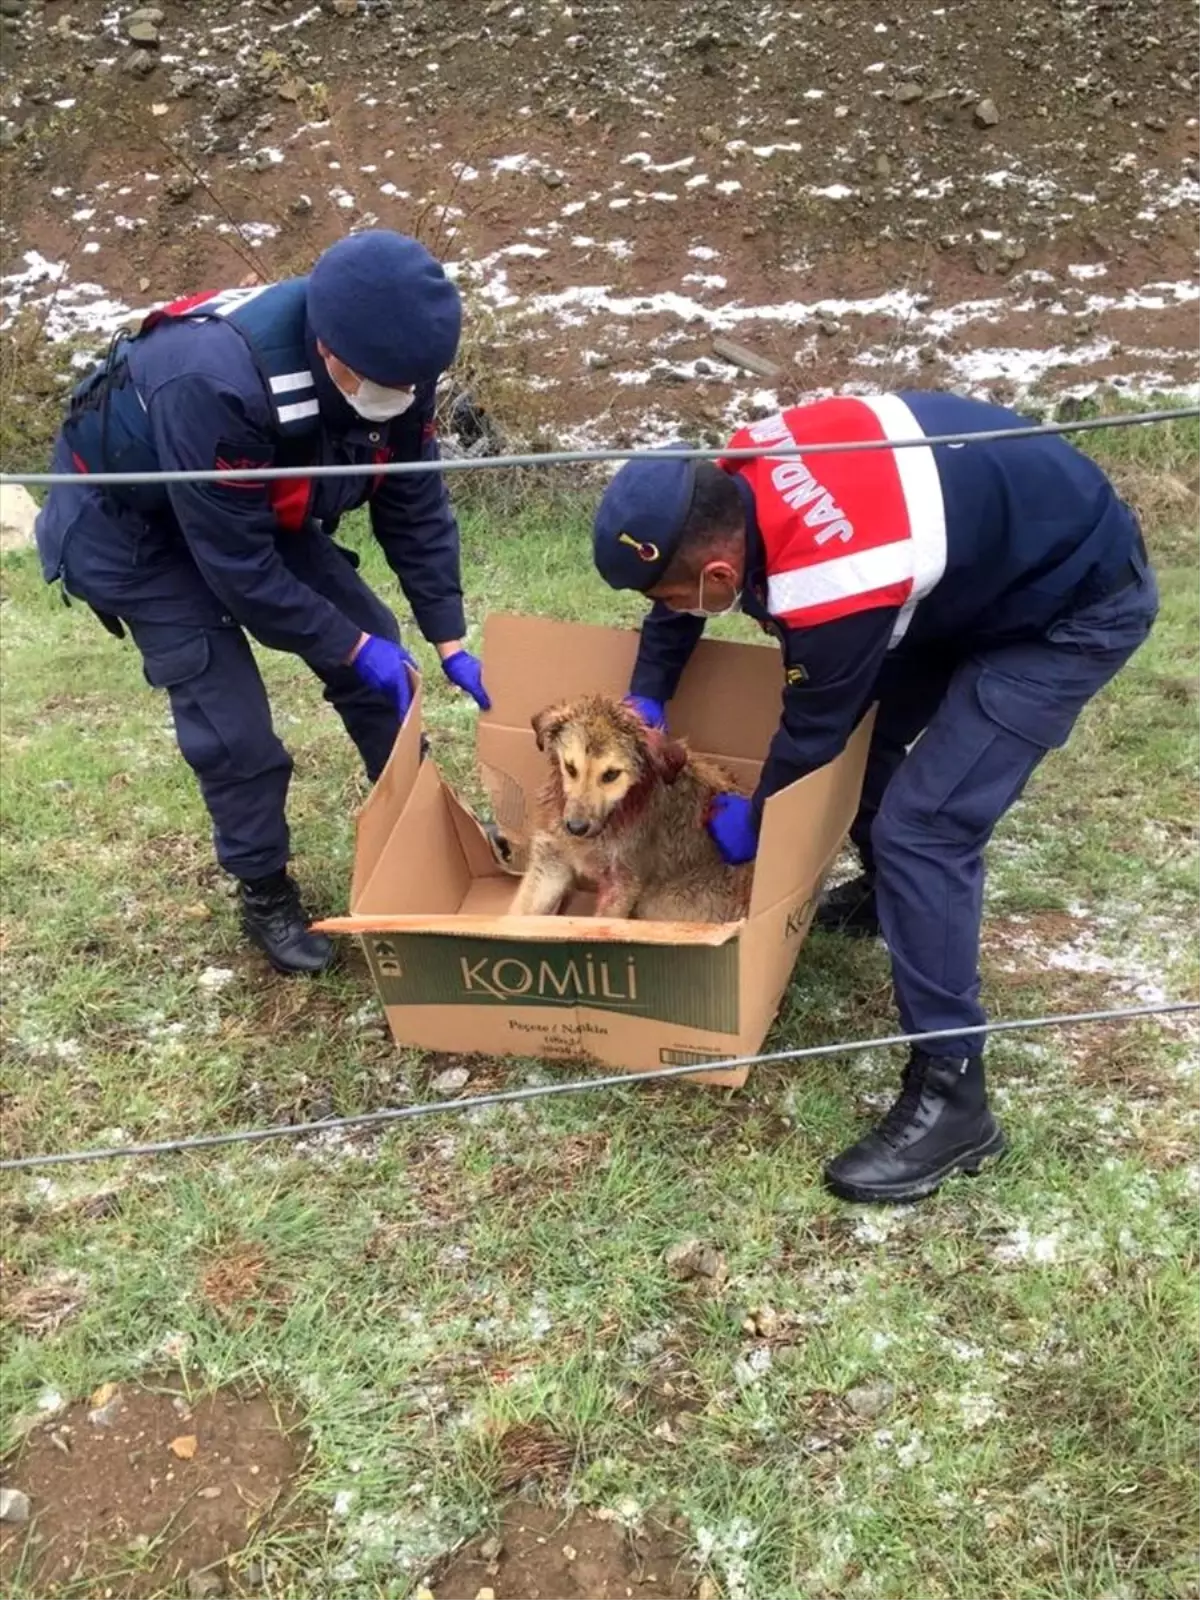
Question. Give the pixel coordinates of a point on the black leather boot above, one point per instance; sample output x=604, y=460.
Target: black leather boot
x=274, y=920
x=849, y=909
x=939, y=1124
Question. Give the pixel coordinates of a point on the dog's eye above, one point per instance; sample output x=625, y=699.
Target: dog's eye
x=610, y=775
x=571, y=770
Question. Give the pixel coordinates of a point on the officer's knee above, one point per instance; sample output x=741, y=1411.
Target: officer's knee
x=222, y=717
x=900, y=827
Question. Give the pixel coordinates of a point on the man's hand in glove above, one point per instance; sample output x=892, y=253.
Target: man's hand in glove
x=384, y=666
x=650, y=711
x=465, y=671
x=730, y=821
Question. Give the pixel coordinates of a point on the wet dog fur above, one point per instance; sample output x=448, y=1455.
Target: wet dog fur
x=623, y=809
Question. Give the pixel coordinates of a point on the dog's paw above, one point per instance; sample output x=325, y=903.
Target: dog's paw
x=501, y=847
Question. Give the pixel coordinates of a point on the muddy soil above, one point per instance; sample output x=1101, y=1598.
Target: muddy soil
x=1001, y=198
x=146, y=1491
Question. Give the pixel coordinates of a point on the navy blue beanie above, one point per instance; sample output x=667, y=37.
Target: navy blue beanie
x=383, y=305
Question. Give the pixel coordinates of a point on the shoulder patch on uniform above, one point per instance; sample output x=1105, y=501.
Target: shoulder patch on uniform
x=233, y=456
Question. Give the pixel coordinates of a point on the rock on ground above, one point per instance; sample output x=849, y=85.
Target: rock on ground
x=14, y=1506
x=18, y=513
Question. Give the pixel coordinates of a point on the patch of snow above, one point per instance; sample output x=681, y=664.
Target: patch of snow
x=1022, y=1244
x=216, y=978
x=724, y=1548
x=519, y=163
x=750, y=1368
x=978, y=1409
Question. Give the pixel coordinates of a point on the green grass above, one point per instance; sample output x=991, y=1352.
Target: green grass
x=417, y=1289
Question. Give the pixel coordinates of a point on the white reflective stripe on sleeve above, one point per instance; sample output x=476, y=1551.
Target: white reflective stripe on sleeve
x=845, y=576
x=286, y=382
x=922, y=487
x=301, y=408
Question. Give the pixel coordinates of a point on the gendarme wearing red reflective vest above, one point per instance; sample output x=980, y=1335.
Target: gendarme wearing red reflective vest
x=981, y=593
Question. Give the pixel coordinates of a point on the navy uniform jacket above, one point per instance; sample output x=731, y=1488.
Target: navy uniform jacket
x=211, y=399
x=857, y=560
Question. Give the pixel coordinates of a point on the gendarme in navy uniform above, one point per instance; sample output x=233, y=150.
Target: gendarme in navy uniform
x=981, y=593
x=340, y=366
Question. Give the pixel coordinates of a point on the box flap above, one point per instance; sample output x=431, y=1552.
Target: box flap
x=727, y=705
x=421, y=869
x=804, y=824
x=387, y=799
x=481, y=859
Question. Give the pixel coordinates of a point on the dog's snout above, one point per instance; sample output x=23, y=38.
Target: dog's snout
x=577, y=829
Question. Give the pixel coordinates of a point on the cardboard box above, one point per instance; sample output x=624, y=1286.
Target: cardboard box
x=429, y=894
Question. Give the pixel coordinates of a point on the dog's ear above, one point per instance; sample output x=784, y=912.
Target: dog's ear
x=548, y=724
x=668, y=756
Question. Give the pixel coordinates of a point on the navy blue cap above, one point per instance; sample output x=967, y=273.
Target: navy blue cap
x=640, y=519
x=384, y=306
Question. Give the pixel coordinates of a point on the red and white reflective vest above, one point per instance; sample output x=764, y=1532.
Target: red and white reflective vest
x=845, y=532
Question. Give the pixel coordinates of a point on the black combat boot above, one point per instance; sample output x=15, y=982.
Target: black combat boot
x=274, y=920
x=939, y=1124
x=849, y=909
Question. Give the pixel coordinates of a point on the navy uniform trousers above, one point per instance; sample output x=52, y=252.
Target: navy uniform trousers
x=981, y=726
x=140, y=570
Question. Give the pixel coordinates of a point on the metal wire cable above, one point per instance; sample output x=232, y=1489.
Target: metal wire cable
x=367, y=1119
x=570, y=458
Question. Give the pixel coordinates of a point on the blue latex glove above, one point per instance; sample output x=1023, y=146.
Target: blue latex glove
x=384, y=666
x=651, y=711
x=730, y=821
x=465, y=671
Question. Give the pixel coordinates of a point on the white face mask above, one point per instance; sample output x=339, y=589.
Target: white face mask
x=734, y=605
x=374, y=402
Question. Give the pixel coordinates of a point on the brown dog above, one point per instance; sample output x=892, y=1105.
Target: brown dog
x=624, y=809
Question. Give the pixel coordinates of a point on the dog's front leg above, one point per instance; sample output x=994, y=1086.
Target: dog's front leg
x=548, y=879
x=617, y=896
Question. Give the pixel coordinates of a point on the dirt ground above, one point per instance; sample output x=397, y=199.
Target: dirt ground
x=999, y=199
x=146, y=1492
x=543, y=1554
x=141, y=1491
